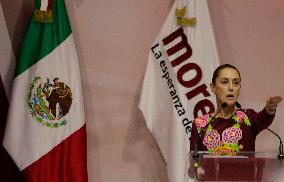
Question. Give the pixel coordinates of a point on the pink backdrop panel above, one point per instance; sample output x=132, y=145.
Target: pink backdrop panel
x=113, y=40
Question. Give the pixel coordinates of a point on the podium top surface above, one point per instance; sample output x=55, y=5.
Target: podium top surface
x=247, y=154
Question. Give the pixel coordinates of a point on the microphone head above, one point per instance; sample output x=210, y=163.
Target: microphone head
x=224, y=105
x=238, y=105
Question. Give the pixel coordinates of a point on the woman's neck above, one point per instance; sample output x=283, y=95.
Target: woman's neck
x=225, y=112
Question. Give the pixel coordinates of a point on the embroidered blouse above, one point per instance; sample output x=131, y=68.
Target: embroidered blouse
x=235, y=134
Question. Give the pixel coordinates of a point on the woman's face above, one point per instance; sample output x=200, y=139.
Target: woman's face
x=227, y=86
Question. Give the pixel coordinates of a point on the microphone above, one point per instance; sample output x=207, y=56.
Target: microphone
x=238, y=105
x=281, y=150
x=195, y=154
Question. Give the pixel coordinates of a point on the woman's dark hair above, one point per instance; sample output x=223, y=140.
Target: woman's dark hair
x=220, y=68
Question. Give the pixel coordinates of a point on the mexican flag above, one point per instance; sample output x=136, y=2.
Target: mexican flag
x=46, y=131
x=175, y=89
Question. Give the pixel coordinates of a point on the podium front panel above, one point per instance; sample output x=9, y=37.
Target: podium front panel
x=242, y=166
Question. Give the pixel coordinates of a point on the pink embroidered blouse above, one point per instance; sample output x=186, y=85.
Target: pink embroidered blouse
x=235, y=134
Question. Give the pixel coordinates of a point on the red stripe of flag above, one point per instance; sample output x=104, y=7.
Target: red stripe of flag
x=64, y=163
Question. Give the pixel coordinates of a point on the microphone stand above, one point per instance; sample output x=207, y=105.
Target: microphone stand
x=280, y=156
x=195, y=157
x=281, y=152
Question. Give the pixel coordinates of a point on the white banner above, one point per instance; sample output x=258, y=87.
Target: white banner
x=176, y=83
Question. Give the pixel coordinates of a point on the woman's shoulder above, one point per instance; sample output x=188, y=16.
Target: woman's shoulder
x=242, y=116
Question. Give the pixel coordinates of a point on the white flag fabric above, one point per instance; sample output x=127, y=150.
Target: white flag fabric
x=175, y=89
x=46, y=131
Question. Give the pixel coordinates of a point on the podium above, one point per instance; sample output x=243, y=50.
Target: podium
x=241, y=166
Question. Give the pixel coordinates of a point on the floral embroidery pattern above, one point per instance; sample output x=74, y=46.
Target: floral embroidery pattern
x=202, y=121
x=230, y=136
x=212, y=139
x=224, y=149
x=241, y=117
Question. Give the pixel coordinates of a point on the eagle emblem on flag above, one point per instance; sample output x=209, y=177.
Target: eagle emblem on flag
x=49, y=102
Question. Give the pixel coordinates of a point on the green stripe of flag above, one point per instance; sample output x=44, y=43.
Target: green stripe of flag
x=43, y=38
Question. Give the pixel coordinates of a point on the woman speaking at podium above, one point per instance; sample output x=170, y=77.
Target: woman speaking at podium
x=230, y=129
